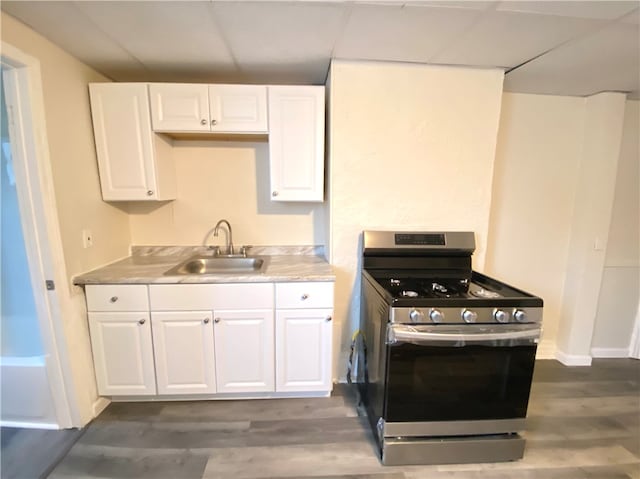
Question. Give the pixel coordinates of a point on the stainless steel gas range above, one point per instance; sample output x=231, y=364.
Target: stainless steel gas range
x=449, y=352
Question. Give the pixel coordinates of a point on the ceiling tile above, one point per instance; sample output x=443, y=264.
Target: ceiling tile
x=279, y=32
x=600, y=10
x=401, y=33
x=606, y=61
x=174, y=33
x=65, y=25
x=508, y=39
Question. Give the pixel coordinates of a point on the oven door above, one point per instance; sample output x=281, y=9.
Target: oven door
x=459, y=373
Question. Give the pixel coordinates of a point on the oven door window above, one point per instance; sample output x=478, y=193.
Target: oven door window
x=452, y=383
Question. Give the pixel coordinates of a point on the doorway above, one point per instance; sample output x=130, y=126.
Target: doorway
x=35, y=376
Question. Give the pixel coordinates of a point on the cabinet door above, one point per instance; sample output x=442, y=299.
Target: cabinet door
x=296, y=142
x=122, y=353
x=303, y=345
x=179, y=107
x=183, y=350
x=238, y=108
x=124, y=142
x=244, y=351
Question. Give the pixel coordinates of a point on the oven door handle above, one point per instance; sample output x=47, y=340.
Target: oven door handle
x=460, y=336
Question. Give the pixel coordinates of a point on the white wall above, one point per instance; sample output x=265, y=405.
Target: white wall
x=219, y=179
x=536, y=169
x=618, y=301
x=412, y=147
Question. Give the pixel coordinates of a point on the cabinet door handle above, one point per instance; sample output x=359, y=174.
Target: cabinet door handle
x=113, y=299
x=275, y=193
x=214, y=122
x=203, y=122
x=217, y=320
x=304, y=296
x=206, y=320
x=328, y=318
x=142, y=321
x=149, y=192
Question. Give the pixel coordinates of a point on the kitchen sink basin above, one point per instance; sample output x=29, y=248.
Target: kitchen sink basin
x=199, y=265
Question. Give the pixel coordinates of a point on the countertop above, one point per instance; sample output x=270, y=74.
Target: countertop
x=147, y=264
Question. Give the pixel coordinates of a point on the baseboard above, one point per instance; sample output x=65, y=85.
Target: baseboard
x=29, y=425
x=610, y=352
x=573, y=359
x=546, y=349
x=100, y=405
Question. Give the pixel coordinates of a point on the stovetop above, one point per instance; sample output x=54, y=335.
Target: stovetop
x=480, y=290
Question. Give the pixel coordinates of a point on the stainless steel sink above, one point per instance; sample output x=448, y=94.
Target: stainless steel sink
x=218, y=265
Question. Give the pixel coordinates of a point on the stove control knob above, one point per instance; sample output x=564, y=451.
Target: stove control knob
x=520, y=316
x=501, y=316
x=469, y=316
x=416, y=316
x=436, y=316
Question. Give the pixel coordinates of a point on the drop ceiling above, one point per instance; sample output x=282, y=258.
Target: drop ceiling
x=547, y=47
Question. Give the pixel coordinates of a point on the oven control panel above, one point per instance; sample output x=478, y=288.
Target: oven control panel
x=466, y=315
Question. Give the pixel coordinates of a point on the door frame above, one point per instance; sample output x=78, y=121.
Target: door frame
x=39, y=216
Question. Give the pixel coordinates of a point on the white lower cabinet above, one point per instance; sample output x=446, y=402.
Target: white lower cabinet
x=244, y=345
x=242, y=339
x=122, y=353
x=303, y=355
x=184, y=352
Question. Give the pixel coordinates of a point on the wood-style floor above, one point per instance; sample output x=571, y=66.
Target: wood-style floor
x=584, y=422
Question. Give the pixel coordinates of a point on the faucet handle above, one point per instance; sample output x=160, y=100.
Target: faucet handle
x=244, y=250
x=215, y=249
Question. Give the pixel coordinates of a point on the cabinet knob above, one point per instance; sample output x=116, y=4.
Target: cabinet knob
x=206, y=320
x=217, y=320
x=275, y=193
x=328, y=318
x=304, y=296
x=214, y=122
x=142, y=321
x=203, y=122
x=149, y=192
x=113, y=299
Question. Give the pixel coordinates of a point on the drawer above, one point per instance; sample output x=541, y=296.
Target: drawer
x=117, y=297
x=188, y=297
x=304, y=295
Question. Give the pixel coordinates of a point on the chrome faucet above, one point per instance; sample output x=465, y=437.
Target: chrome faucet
x=229, y=235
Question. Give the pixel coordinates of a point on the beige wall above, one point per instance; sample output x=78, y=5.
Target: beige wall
x=77, y=191
x=552, y=203
x=537, y=162
x=412, y=147
x=218, y=179
x=604, y=116
x=618, y=301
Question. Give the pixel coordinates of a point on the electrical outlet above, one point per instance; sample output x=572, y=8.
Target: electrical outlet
x=87, y=238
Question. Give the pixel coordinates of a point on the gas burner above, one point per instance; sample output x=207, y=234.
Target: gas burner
x=485, y=293
x=437, y=287
x=408, y=294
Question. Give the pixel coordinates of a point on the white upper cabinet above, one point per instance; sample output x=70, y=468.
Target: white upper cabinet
x=296, y=142
x=134, y=163
x=186, y=107
x=179, y=107
x=238, y=108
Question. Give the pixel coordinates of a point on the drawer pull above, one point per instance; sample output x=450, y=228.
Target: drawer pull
x=328, y=318
x=206, y=320
x=142, y=321
x=113, y=299
x=304, y=296
x=217, y=320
